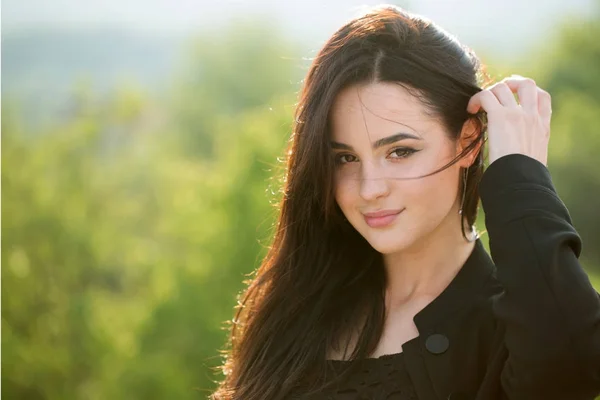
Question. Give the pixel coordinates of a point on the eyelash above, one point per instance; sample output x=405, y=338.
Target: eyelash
x=407, y=150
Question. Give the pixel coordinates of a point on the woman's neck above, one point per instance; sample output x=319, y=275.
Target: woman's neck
x=425, y=269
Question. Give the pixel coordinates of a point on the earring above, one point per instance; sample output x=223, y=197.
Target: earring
x=462, y=203
x=474, y=234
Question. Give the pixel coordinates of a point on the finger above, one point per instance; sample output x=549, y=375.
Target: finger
x=526, y=89
x=484, y=99
x=544, y=105
x=504, y=94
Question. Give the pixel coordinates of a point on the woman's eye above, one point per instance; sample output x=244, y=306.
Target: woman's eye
x=403, y=152
x=339, y=159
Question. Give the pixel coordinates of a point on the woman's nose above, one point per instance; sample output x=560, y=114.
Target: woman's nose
x=373, y=183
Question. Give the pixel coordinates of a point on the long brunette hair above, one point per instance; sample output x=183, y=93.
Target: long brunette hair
x=320, y=275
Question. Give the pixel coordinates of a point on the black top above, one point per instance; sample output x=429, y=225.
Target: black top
x=382, y=378
x=522, y=322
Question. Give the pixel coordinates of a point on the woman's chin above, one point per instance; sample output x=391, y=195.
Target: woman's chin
x=388, y=243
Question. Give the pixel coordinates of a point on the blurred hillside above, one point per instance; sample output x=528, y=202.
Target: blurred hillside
x=39, y=67
x=131, y=218
x=46, y=46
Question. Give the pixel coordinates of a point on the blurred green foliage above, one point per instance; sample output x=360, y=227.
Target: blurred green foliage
x=129, y=227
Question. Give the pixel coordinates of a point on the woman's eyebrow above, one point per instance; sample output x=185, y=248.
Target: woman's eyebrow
x=379, y=143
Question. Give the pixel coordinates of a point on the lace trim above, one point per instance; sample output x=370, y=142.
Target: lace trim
x=382, y=378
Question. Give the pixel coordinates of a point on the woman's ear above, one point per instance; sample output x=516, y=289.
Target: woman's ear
x=469, y=133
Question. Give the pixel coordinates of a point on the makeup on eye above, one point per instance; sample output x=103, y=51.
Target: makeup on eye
x=406, y=151
x=338, y=158
x=402, y=151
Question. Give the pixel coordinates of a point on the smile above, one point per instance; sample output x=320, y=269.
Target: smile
x=381, y=218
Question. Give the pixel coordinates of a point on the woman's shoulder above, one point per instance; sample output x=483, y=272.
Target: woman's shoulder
x=478, y=313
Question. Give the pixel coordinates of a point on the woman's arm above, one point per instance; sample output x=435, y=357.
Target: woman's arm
x=549, y=308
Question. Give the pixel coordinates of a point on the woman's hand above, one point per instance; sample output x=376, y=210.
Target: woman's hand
x=522, y=127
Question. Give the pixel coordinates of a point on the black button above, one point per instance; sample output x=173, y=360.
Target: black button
x=437, y=343
x=458, y=396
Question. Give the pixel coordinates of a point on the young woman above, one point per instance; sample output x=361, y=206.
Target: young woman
x=376, y=285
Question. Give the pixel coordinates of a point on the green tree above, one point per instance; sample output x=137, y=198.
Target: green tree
x=227, y=72
x=569, y=70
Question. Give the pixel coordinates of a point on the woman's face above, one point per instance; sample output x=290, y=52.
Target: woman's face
x=371, y=173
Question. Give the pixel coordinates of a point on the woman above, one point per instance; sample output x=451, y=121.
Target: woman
x=376, y=285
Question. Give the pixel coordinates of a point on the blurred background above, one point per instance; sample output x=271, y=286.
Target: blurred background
x=140, y=146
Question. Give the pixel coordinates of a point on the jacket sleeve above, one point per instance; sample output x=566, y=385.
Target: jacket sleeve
x=549, y=309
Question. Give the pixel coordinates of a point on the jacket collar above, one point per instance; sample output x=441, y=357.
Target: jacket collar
x=462, y=291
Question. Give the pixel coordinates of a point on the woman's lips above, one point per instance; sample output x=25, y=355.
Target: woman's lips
x=381, y=218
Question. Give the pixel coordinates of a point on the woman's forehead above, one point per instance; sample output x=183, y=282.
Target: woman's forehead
x=378, y=109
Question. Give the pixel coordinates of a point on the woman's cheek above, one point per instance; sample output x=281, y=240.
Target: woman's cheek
x=423, y=198
x=440, y=195
x=350, y=204
x=344, y=197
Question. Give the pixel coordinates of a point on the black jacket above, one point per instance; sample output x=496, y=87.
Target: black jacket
x=523, y=324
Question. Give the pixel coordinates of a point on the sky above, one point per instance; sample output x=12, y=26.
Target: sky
x=507, y=26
